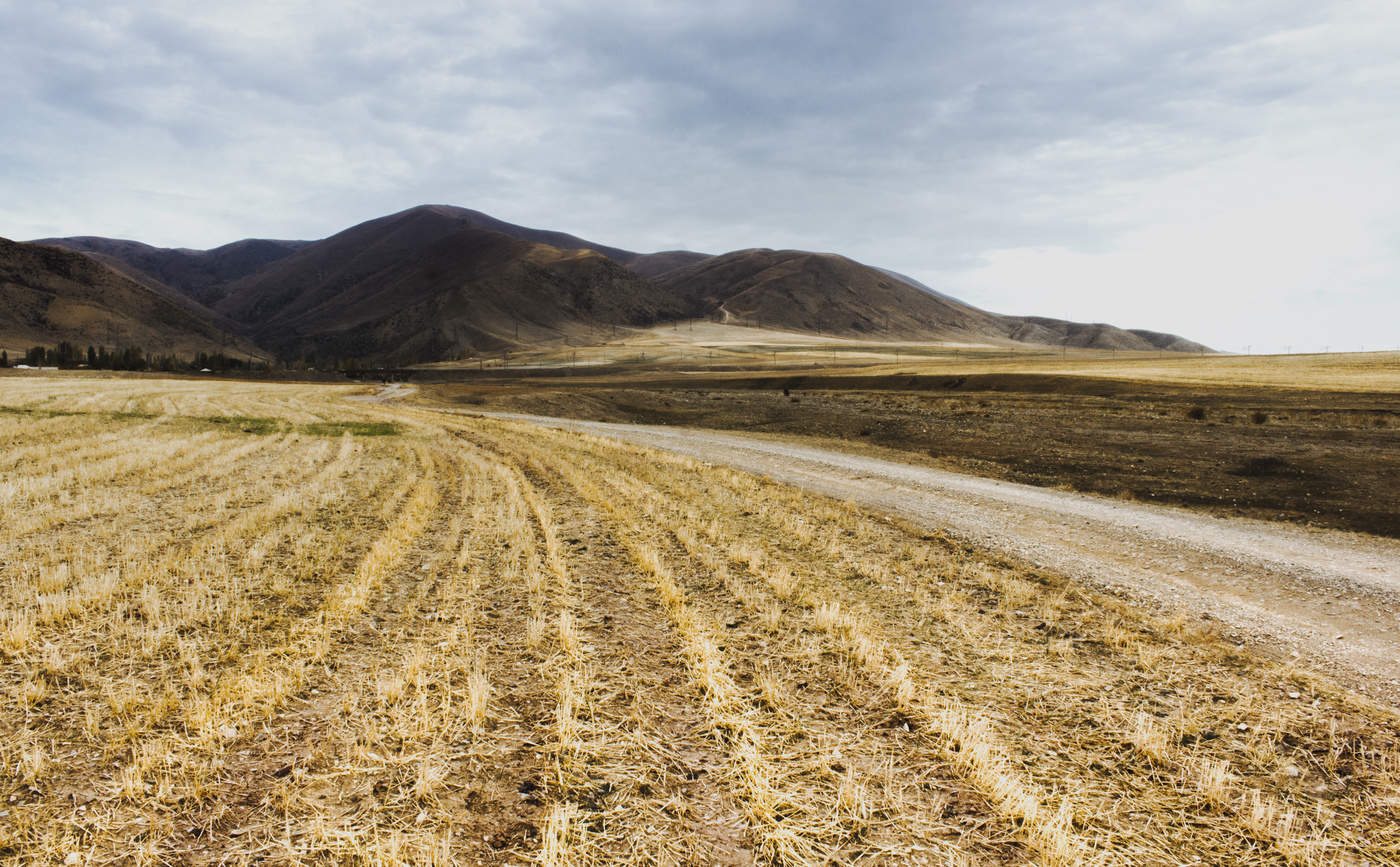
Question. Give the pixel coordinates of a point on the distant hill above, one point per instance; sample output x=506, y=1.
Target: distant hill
x=49, y=295
x=202, y=275
x=1057, y=332
x=436, y=282
x=422, y=285
x=800, y=291
x=645, y=264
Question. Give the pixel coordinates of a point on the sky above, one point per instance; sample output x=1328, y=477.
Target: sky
x=1226, y=171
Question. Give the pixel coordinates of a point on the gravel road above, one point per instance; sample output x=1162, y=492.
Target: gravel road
x=1330, y=598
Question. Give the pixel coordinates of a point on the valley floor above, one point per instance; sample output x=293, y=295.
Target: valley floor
x=1302, y=455
x=259, y=623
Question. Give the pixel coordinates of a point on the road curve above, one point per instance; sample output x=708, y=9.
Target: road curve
x=1329, y=597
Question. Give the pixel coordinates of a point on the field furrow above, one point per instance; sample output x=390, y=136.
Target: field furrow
x=641, y=777
x=258, y=623
x=37, y=445
x=1081, y=705
x=59, y=598
x=204, y=463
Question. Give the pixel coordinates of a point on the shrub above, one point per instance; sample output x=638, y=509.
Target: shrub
x=1196, y=413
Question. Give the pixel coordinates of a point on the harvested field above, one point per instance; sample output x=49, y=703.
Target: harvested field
x=1306, y=456
x=264, y=623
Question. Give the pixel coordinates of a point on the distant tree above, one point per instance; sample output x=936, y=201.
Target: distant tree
x=64, y=355
x=131, y=358
x=35, y=356
x=92, y=356
x=4, y=358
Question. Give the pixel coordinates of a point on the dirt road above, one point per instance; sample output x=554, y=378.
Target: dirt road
x=1330, y=598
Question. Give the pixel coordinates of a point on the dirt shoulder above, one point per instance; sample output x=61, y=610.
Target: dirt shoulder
x=1318, y=458
x=1329, y=598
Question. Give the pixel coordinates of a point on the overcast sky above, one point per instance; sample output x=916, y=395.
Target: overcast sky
x=1225, y=170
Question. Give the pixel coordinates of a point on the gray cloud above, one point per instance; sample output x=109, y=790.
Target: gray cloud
x=1109, y=160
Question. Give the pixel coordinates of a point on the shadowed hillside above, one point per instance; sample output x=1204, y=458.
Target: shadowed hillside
x=202, y=275
x=801, y=291
x=48, y=295
x=420, y=286
x=437, y=282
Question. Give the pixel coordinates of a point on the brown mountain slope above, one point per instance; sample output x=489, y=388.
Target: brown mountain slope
x=48, y=295
x=655, y=264
x=448, y=273
x=202, y=275
x=644, y=264
x=830, y=294
x=796, y=290
x=421, y=286
x=1057, y=332
x=559, y=240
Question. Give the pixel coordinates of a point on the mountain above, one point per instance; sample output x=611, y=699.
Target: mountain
x=799, y=291
x=202, y=275
x=1058, y=332
x=644, y=264
x=795, y=290
x=435, y=282
x=48, y=295
x=422, y=285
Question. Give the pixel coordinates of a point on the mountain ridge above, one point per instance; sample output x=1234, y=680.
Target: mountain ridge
x=436, y=282
x=50, y=295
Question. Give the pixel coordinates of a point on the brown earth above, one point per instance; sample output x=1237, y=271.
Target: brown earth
x=1324, y=458
x=49, y=295
x=199, y=275
x=795, y=290
x=426, y=285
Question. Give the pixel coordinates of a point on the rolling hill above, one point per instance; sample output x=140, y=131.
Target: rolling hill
x=201, y=275
x=795, y=290
x=438, y=282
x=48, y=295
x=418, y=286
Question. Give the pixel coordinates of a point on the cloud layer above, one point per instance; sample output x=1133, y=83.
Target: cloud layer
x=1221, y=170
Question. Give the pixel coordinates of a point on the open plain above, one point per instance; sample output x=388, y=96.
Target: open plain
x=268, y=623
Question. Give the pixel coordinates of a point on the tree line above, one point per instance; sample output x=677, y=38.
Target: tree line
x=69, y=356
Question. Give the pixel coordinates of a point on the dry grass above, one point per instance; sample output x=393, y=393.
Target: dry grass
x=473, y=641
x=705, y=348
